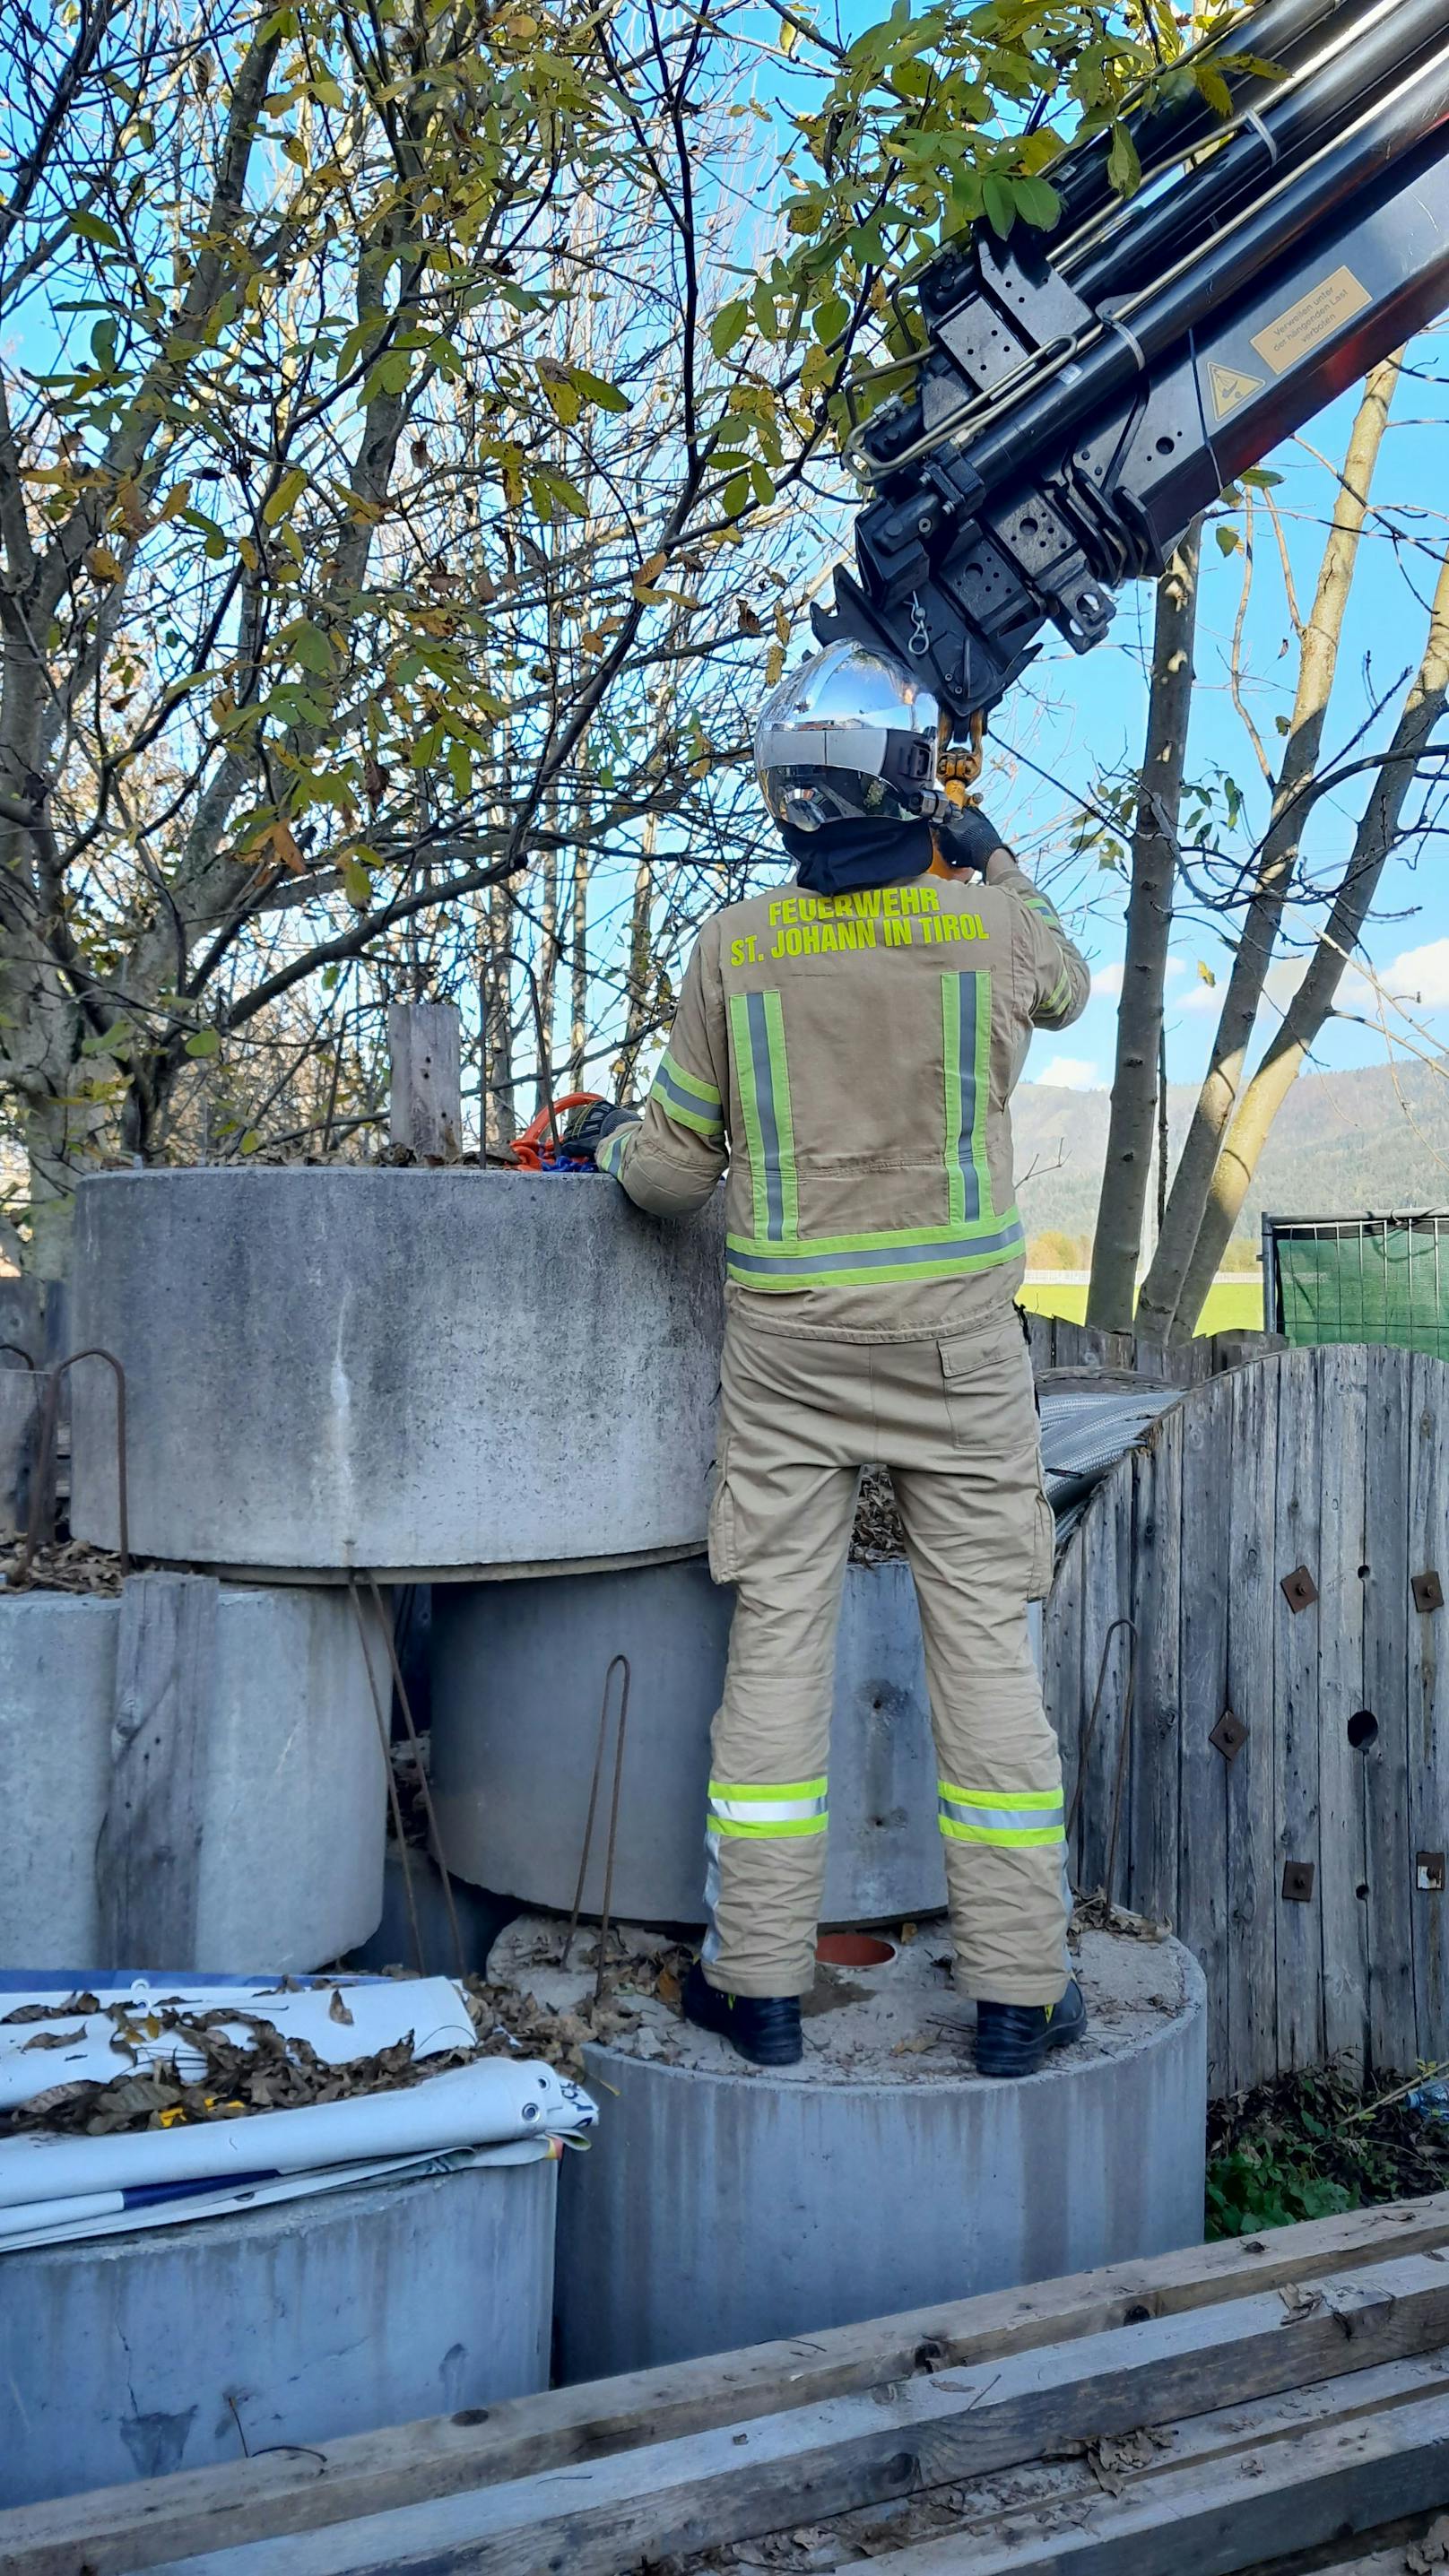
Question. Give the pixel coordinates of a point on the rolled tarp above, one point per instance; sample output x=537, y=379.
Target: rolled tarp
x=495, y=2101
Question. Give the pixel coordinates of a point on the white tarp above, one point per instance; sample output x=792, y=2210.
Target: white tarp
x=129, y=2032
x=55, y=2187
x=118, y=2213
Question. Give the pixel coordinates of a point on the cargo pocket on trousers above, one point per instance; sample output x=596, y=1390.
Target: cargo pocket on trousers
x=1043, y=1548
x=988, y=1386
x=724, y=1554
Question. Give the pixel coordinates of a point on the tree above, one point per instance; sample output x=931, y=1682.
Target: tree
x=391, y=395
x=1161, y=1305
x=1135, y=1087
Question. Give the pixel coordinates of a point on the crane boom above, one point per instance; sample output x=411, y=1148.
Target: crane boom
x=1084, y=394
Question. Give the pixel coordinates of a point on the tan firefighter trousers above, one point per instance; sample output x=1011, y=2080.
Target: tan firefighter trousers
x=954, y=1419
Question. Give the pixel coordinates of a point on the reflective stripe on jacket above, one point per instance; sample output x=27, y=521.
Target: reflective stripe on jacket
x=849, y=1060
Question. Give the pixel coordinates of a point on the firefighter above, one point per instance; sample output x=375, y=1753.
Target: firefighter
x=846, y=1047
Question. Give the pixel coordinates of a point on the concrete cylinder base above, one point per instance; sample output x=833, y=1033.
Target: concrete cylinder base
x=723, y=2205
x=339, y=2313
x=518, y=1674
x=292, y=1790
x=479, y=1368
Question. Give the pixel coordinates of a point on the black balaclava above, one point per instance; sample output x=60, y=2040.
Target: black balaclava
x=844, y=858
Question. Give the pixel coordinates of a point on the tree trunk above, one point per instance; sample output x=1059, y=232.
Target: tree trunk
x=1311, y=1005
x=1158, y=1307
x=547, y=960
x=500, y=1117
x=579, y=940
x=641, y=958
x=1117, y=1246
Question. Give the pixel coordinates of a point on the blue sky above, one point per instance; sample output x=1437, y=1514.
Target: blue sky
x=1074, y=715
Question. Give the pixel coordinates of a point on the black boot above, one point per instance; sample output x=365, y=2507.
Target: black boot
x=763, y=2028
x=1013, y=2039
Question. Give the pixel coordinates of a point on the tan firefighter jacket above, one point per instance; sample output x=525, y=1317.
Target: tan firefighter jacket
x=849, y=1059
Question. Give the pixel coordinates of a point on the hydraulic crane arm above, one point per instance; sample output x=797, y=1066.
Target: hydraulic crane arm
x=1084, y=394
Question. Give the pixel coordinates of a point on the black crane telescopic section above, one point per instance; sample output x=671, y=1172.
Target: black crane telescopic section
x=1084, y=394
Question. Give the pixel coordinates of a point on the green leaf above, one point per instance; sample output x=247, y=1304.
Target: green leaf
x=92, y=229
x=204, y=1042
x=1123, y=167
x=1262, y=477
x=1038, y=201
x=599, y=391
x=308, y=645
x=251, y=1140
x=762, y=305
x=830, y=318
x=1213, y=87
x=357, y=886
x=729, y=327
x=290, y=489
x=1000, y=202
x=1228, y=541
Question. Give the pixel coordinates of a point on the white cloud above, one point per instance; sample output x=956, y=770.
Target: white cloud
x=1107, y=980
x=1420, y=976
x=1070, y=1073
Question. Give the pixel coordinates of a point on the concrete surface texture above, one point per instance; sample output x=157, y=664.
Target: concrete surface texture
x=475, y=1368
x=338, y=2313
x=292, y=1789
x=881, y=2173
x=517, y=1682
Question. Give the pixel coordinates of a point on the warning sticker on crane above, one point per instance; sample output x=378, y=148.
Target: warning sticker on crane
x=1231, y=388
x=1314, y=318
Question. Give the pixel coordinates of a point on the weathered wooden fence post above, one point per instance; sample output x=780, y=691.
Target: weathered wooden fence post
x=148, y=1858
x=426, y=1107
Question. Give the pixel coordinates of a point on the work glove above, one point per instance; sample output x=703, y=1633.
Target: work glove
x=966, y=839
x=586, y=1128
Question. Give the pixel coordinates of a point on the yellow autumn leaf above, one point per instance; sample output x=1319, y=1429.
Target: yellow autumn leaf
x=103, y=564
x=774, y=665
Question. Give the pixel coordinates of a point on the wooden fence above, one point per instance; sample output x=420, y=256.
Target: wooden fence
x=1083, y=1351
x=1281, y=1542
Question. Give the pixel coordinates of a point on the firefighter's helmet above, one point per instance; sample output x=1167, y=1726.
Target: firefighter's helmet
x=851, y=736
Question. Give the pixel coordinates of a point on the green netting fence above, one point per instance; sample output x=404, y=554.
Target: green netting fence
x=1359, y=1279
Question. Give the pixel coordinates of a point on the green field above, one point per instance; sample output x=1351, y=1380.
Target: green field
x=1233, y=1306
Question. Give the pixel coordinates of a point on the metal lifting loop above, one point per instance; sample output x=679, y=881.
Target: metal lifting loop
x=45, y=1462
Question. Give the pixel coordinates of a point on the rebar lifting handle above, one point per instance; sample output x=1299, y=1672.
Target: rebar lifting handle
x=45, y=1463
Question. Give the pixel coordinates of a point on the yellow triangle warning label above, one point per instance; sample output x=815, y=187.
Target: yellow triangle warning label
x=1231, y=388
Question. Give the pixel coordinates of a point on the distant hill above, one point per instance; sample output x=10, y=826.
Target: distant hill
x=1343, y=1144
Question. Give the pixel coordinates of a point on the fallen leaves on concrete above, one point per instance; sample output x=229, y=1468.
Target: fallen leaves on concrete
x=67, y=1565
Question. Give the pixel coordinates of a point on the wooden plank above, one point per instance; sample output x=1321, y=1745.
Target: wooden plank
x=1156, y=1607
x=1429, y=1698
x=1251, y=1400
x=425, y=1111
x=147, y=1861
x=149, y=2522
x=1105, y=1545
x=728, y=2483
x=1342, y=1374
x=1331, y=2484
x=1392, y=2038
x=1296, y=1664
x=1012, y=2503
x=1062, y=1674
x=1202, y=1864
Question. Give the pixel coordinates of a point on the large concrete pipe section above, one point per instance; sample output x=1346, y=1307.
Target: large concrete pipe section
x=289, y=1794
x=722, y=2205
x=518, y=1680
x=417, y=1371
x=340, y=2313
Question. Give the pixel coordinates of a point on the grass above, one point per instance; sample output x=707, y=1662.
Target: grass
x=1310, y=2145
x=1233, y=1305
